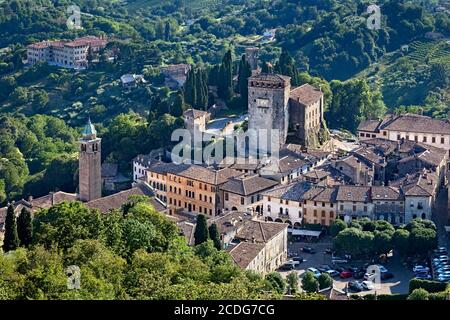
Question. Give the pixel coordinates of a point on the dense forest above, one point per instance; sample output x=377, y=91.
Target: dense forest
x=363, y=73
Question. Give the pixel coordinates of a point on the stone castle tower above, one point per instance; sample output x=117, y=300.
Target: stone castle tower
x=268, y=103
x=90, y=185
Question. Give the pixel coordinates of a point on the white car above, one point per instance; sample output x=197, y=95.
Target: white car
x=368, y=285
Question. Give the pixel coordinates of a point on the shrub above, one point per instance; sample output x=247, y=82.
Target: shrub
x=428, y=285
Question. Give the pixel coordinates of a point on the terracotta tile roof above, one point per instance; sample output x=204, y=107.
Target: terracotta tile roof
x=322, y=194
x=418, y=123
x=354, y=162
x=306, y=94
x=245, y=252
x=270, y=77
x=202, y=174
x=240, y=163
x=248, y=185
x=354, y=194
x=292, y=192
x=231, y=221
x=369, y=125
x=370, y=156
x=116, y=200
x=316, y=174
x=386, y=193
x=422, y=183
x=260, y=232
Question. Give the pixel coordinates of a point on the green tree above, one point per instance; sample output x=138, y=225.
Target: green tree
x=400, y=240
x=419, y=294
x=177, y=107
x=225, y=81
x=292, y=281
x=309, y=283
x=215, y=236
x=337, y=226
x=65, y=223
x=11, y=239
x=286, y=66
x=25, y=227
x=382, y=242
x=201, y=230
x=244, y=73
x=325, y=281
x=276, y=282
x=266, y=68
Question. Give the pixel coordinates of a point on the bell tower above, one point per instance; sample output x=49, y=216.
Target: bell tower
x=90, y=175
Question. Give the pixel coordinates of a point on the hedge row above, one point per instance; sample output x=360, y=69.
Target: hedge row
x=430, y=286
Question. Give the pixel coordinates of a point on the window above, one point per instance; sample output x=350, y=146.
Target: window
x=424, y=139
x=242, y=200
x=399, y=137
x=323, y=204
x=226, y=196
x=407, y=137
x=210, y=200
x=354, y=208
x=384, y=133
x=315, y=213
x=299, y=214
x=331, y=214
x=433, y=140
x=365, y=208
x=442, y=140
x=416, y=139
x=269, y=208
x=323, y=214
x=269, y=199
x=323, y=222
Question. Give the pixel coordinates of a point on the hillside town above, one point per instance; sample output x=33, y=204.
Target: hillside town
x=296, y=181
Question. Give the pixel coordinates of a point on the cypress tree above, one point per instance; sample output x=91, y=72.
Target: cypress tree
x=266, y=68
x=189, y=88
x=25, y=228
x=225, y=85
x=286, y=66
x=244, y=73
x=201, y=230
x=202, y=90
x=177, y=105
x=214, y=236
x=11, y=240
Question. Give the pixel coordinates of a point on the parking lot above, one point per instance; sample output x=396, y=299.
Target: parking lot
x=399, y=284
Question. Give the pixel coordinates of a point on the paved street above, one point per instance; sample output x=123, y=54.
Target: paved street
x=398, y=284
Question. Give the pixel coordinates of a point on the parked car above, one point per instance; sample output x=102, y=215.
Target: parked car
x=328, y=251
x=340, y=269
x=369, y=276
x=419, y=268
x=355, y=286
x=440, y=250
x=332, y=273
x=346, y=274
x=309, y=250
x=287, y=267
x=339, y=260
x=368, y=285
x=324, y=268
x=316, y=272
x=423, y=276
x=298, y=259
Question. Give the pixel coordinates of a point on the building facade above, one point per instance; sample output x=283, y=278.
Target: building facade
x=69, y=54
